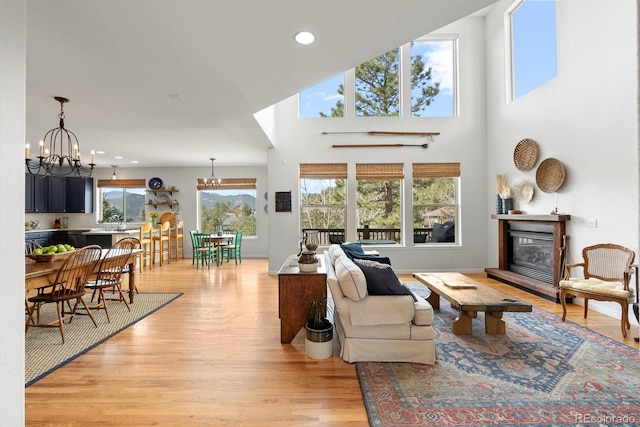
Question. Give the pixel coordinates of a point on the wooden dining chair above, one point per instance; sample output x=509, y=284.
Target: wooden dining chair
x=177, y=239
x=30, y=246
x=67, y=286
x=163, y=243
x=109, y=276
x=146, y=243
x=135, y=242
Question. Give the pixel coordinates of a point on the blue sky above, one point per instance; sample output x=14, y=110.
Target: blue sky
x=534, y=50
x=534, y=55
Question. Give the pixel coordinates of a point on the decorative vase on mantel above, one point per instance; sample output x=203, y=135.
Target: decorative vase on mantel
x=503, y=206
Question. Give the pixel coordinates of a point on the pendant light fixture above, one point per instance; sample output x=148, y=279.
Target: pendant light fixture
x=58, y=152
x=114, y=176
x=212, y=181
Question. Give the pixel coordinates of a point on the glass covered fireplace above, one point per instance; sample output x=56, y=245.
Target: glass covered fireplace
x=531, y=252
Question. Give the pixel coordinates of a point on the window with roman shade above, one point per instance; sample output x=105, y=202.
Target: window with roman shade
x=229, y=206
x=435, y=202
x=323, y=200
x=121, y=200
x=229, y=184
x=379, y=202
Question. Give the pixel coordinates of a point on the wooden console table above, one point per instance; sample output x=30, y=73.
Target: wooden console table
x=295, y=290
x=503, y=273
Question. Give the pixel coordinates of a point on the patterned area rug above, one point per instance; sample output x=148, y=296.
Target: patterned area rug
x=44, y=351
x=543, y=372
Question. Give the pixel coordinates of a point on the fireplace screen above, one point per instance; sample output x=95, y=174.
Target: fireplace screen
x=532, y=253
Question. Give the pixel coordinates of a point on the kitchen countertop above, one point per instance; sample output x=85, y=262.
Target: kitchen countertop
x=87, y=230
x=105, y=231
x=37, y=230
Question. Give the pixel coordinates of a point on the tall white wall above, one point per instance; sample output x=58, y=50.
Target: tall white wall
x=462, y=139
x=12, y=131
x=586, y=117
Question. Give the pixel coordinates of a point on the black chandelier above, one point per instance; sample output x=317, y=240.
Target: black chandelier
x=52, y=159
x=212, y=181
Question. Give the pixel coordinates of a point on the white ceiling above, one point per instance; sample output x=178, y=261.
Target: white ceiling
x=121, y=63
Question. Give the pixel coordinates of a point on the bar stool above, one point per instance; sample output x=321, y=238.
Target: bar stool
x=164, y=245
x=177, y=239
x=146, y=243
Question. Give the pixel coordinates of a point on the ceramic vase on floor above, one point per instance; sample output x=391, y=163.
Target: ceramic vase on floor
x=318, y=342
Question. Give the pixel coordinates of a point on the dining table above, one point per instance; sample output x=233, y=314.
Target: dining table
x=41, y=274
x=218, y=240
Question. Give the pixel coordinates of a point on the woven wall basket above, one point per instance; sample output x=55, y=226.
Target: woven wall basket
x=525, y=155
x=550, y=175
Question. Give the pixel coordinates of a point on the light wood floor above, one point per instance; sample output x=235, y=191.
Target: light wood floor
x=213, y=358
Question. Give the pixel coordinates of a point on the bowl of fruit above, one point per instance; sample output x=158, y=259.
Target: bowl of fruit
x=52, y=253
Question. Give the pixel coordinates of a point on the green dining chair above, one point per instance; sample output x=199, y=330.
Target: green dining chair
x=234, y=250
x=193, y=246
x=205, y=251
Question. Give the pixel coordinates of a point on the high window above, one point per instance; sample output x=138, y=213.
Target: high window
x=379, y=202
x=533, y=45
x=433, y=78
x=122, y=200
x=383, y=89
x=229, y=206
x=323, y=100
x=323, y=200
x=435, y=202
x=378, y=86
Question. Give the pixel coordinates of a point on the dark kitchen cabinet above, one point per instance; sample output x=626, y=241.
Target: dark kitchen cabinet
x=36, y=193
x=80, y=195
x=44, y=238
x=60, y=195
x=28, y=193
x=57, y=194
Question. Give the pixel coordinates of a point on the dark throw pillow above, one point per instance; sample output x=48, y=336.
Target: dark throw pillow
x=381, y=279
x=352, y=247
x=376, y=258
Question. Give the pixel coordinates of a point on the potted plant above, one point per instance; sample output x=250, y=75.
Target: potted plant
x=319, y=330
x=154, y=218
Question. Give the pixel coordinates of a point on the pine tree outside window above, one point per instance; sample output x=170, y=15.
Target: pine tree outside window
x=379, y=201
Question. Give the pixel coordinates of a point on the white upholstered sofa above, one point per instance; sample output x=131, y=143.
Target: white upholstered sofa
x=383, y=328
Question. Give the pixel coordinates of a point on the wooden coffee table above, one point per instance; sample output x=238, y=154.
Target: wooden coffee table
x=470, y=297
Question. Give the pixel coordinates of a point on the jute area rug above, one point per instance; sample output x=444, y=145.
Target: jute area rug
x=44, y=351
x=543, y=372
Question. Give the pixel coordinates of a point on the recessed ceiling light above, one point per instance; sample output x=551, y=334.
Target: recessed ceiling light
x=99, y=152
x=134, y=161
x=305, y=37
x=118, y=157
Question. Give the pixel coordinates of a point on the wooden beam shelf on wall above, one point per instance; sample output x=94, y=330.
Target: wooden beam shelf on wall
x=429, y=135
